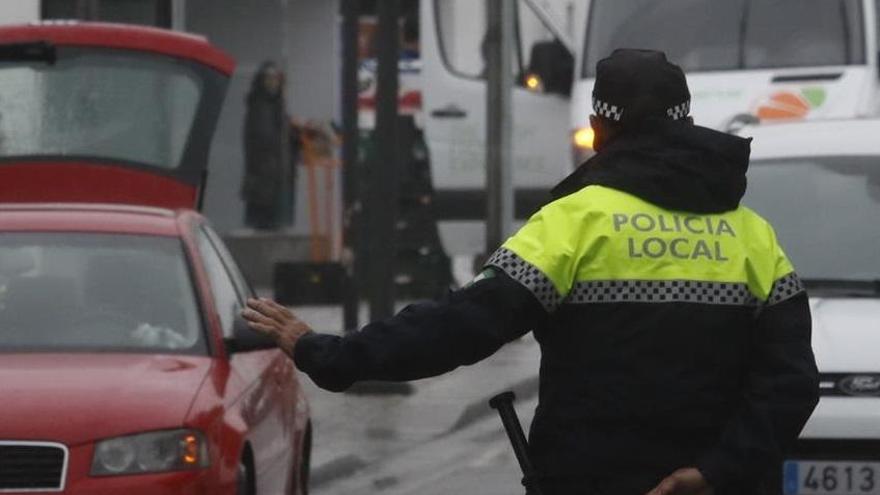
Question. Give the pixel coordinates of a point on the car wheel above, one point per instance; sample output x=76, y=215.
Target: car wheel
x=244, y=484
x=305, y=464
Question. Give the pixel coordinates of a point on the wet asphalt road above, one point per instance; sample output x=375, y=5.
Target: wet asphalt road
x=435, y=436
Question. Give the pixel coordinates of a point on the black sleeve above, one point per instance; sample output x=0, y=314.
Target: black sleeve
x=782, y=389
x=425, y=339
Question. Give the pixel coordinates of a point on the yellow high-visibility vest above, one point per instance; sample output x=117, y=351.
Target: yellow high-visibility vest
x=603, y=245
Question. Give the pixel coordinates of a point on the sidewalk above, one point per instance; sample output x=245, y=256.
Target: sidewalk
x=352, y=433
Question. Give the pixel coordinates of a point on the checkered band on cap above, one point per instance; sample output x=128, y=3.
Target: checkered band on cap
x=661, y=291
x=679, y=111
x=528, y=275
x=607, y=110
x=785, y=288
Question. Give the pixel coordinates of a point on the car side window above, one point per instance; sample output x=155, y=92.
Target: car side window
x=226, y=296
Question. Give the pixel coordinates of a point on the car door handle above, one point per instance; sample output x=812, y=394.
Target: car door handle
x=450, y=111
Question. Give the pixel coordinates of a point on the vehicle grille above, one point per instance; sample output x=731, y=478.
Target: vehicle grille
x=32, y=466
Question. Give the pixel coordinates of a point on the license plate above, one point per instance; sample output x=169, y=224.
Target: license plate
x=831, y=478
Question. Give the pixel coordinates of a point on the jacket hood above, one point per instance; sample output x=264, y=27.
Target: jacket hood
x=674, y=165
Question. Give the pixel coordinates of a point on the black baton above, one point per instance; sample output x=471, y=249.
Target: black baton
x=503, y=403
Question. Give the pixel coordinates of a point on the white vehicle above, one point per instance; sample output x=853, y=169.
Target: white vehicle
x=454, y=105
x=773, y=59
x=818, y=183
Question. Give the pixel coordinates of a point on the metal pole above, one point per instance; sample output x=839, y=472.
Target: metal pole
x=178, y=15
x=499, y=182
x=383, y=171
x=350, y=11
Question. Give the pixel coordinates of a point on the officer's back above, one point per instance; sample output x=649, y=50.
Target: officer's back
x=678, y=332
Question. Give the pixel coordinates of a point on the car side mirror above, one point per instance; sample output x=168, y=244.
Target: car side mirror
x=551, y=68
x=244, y=339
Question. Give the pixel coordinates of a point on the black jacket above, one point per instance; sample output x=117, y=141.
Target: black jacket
x=628, y=392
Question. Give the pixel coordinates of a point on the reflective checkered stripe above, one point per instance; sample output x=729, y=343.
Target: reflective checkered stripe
x=690, y=291
x=607, y=110
x=785, y=288
x=679, y=111
x=661, y=291
x=528, y=275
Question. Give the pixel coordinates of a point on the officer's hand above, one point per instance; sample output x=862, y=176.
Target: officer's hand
x=687, y=481
x=272, y=319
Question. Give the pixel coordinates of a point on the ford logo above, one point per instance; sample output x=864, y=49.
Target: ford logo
x=860, y=385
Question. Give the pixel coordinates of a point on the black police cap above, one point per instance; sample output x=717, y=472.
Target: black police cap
x=634, y=85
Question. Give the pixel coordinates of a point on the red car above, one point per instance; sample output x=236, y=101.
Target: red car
x=124, y=365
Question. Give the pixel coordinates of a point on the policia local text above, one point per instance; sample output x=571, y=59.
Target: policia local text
x=680, y=247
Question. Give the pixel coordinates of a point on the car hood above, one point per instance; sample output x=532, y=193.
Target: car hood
x=846, y=339
x=78, y=398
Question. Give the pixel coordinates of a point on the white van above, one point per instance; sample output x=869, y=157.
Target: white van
x=454, y=106
x=773, y=59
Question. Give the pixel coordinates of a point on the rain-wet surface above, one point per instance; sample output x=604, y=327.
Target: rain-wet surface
x=435, y=436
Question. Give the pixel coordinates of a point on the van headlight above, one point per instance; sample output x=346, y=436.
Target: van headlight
x=158, y=451
x=582, y=144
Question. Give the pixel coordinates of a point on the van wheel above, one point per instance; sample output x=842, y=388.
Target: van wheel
x=244, y=482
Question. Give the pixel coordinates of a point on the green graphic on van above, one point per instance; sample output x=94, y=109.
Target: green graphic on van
x=790, y=104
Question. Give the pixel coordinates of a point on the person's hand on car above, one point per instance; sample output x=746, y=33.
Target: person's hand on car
x=276, y=321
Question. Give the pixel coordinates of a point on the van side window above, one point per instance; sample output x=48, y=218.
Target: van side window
x=461, y=30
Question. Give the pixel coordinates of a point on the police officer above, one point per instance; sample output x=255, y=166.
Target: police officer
x=675, y=334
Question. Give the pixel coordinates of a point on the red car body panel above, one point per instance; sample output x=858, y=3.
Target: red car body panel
x=75, y=182
x=111, y=219
x=122, y=36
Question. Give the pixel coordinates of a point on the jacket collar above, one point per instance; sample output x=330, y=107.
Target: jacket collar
x=675, y=165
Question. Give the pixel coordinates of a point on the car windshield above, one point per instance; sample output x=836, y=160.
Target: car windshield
x=824, y=211
x=704, y=35
x=96, y=292
x=97, y=103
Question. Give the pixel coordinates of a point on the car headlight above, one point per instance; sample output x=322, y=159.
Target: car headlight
x=169, y=450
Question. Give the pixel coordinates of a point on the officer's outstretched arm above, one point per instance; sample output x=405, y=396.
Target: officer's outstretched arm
x=425, y=339
x=781, y=392
x=521, y=286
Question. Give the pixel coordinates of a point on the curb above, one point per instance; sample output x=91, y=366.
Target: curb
x=335, y=469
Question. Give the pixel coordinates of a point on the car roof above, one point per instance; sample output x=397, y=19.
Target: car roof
x=122, y=36
x=851, y=137
x=95, y=218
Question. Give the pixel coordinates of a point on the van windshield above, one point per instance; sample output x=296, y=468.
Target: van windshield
x=703, y=35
